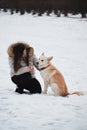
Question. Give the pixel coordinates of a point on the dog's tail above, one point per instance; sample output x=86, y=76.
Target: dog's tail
x=79, y=93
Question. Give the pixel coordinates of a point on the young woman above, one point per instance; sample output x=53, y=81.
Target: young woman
x=22, y=61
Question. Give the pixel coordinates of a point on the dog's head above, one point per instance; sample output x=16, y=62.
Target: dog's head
x=43, y=61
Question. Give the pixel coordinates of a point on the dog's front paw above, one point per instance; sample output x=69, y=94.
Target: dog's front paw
x=43, y=92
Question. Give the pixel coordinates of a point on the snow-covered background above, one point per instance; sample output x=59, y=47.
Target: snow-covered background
x=66, y=40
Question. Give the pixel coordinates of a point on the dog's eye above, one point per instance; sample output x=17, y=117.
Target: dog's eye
x=42, y=60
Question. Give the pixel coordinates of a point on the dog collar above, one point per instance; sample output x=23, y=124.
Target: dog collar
x=44, y=68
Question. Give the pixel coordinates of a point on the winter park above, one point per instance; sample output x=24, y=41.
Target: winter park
x=64, y=38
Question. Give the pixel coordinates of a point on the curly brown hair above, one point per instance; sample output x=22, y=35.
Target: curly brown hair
x=15, y=51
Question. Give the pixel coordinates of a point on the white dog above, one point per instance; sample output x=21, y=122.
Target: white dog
x=52, y=77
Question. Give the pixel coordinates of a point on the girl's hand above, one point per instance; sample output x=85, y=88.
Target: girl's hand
x=31, y=68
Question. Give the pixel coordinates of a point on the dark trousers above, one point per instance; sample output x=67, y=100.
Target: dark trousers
x=24, y=81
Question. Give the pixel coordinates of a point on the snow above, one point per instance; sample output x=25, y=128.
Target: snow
x=65, y=39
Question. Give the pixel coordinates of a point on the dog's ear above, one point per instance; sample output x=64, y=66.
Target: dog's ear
x=42, y=54
x=50, y=58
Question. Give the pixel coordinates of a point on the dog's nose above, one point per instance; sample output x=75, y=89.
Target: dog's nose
x=37, y=63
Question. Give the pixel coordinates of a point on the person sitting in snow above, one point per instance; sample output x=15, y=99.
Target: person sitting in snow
x=22, y=61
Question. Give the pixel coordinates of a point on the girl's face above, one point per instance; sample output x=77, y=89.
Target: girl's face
x=24, y=53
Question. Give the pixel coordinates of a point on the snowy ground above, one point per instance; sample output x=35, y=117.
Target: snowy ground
x=66, y=40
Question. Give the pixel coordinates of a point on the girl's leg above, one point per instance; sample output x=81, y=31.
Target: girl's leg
x=19, y=83
x=22, y=82
x=34, y=86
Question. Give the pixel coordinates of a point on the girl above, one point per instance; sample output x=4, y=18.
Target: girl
x=22, y=61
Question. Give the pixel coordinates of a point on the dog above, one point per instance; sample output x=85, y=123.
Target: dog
x=52, y=77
